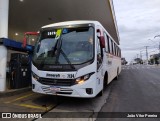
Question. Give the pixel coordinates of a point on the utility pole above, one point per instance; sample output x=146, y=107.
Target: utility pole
x=147, y=53
x=141, y=55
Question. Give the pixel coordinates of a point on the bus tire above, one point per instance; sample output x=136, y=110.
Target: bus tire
x=105, y=82
x=101, y=92
x=117, y=74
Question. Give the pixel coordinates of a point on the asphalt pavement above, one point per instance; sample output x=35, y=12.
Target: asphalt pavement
x=137, y=90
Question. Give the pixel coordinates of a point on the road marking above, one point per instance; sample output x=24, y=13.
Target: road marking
x=19, y=98
x=32, y=106
x=36, y=107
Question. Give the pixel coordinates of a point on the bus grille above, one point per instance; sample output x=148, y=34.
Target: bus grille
x=57, y=82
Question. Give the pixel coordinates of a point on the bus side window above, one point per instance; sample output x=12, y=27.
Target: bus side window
x=99, y=54
x=116, y=50
x=110, y=46
x=113, y=48
x=106, y=42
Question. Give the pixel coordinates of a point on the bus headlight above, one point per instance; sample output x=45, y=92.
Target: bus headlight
x=35, y=76
x=82, y=79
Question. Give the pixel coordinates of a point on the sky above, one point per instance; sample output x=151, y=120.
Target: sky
x=138, y=23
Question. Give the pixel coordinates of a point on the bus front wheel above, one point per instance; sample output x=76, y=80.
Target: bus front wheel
x=105, y=82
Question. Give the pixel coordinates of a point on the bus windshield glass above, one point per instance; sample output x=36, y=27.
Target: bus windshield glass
x=64, y=46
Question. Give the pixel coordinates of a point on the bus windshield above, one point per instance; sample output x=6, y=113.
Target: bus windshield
x=64, y=46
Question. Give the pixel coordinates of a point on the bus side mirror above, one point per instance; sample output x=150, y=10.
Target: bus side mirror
x=102, y=42
x=101, y=38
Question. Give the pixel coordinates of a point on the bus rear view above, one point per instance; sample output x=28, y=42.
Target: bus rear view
x=65, y=60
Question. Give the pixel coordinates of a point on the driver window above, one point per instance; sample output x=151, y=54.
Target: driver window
x=99, y=54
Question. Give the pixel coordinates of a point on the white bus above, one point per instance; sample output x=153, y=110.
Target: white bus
x=75, y=59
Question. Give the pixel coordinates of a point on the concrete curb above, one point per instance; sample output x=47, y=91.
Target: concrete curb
x=14, y=92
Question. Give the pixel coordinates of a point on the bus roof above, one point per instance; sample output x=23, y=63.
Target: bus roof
x=70, y=23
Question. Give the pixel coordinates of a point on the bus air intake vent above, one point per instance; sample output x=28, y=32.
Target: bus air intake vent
x=57, y=82
x=63, y=91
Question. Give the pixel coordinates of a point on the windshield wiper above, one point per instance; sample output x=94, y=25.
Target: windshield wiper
x=59, y=50
x=69, y=62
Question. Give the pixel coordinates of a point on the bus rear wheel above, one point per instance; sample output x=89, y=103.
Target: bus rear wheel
x=117, y=76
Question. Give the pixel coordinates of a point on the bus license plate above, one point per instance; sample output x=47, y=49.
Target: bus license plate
x=54, y=89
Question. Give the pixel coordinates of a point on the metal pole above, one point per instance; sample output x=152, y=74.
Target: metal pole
x=4, y=9
x=147, y=53
x=141, y=55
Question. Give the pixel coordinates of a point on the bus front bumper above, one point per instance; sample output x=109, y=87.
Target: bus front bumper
x=86, y=90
